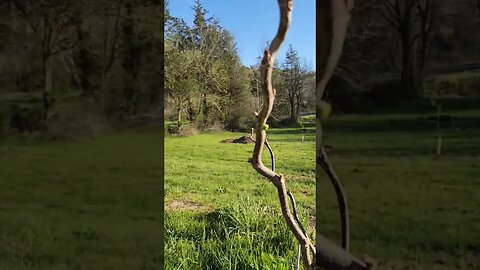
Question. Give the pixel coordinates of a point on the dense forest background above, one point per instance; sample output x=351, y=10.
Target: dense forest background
x=77, y=68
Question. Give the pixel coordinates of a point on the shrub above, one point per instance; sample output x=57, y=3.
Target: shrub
x=183, y=130
x=240, y=123
x=77, y=119
x=21, y=111
x=188, y=130
x=345, y=96
x=25, y=117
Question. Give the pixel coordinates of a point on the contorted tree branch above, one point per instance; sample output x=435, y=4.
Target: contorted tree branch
x=333, y=18
x=266, y=68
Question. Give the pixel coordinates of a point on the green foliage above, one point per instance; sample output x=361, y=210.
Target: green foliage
x=204, y=79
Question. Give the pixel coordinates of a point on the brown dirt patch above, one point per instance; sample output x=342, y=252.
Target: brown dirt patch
x=243, y=140
x=179, y=205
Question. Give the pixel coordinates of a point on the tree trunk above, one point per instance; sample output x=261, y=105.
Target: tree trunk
x=130, y=63
x=297, y=113
x=48, y=84
x=293, y=115
x=191, y=112
x=179, y=113
x=408, y=83
x=205, y=109
x=83, y=63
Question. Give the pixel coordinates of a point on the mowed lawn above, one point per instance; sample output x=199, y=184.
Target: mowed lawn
x=95, y=204
x=221, y=214
x=409, y=208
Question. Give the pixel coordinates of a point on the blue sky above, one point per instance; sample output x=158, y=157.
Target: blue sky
x=254, y=22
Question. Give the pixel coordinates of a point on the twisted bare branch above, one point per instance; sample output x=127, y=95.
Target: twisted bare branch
x=266, y=69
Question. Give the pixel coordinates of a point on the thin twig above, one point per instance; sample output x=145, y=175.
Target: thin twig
x=272, y=156
x=342, y=199
x=294, y=206
x=295, y=214
x=299, y=252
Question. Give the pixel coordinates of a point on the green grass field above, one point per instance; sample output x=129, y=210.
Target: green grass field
x=221, y=214
x=408, y=206
x=96, y=204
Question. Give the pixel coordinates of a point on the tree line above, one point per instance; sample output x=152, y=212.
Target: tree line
x=58, y=52
x=392, y=44
x=207, y=85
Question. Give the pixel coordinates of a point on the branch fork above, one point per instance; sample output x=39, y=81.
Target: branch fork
x=335, y=16
x=278, y=180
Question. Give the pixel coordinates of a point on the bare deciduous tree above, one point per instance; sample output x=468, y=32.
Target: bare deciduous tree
x=294, y=77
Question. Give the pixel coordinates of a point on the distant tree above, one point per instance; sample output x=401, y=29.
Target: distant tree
x=50, y=22
x=413, y=21
x=294, y=77
x=400, y=15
